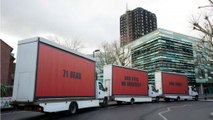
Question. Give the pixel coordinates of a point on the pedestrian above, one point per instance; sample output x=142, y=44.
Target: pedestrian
x=206, y=92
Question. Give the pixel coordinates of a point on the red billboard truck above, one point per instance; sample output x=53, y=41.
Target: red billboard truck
x=126, y=84
x=52, y=78
x=174, y=86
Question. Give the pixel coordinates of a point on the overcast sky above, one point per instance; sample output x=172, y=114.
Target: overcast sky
x=91, y=21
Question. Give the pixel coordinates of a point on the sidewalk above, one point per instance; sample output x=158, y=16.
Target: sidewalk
x=209, y=97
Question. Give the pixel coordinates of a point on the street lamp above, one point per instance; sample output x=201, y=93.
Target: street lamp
x=93, y=54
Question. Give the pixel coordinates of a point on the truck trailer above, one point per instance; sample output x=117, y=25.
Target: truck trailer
x=128, y=85
x=172, y=86
x=52, y=78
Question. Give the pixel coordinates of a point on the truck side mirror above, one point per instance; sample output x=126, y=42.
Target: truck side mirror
x=105, y=89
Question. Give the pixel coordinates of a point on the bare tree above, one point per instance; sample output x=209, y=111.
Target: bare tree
x=74, y=43
x=112, y=53
x=121, y=54
x=105, y=56
x=205, y=27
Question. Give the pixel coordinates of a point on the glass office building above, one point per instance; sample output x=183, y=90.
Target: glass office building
x=203, y=69
x=164, y=50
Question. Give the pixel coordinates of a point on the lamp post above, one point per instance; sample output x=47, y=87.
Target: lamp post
x=93, y=54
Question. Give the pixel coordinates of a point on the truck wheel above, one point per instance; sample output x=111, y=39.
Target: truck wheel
x=105, y=102
x=157, y=99
x=196, y=98
x=132, y=101
x=73, y=108
x=119, y=102
x=177, y=99
x=167, y=99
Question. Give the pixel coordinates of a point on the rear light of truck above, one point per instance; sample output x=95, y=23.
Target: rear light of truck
x=40, y=109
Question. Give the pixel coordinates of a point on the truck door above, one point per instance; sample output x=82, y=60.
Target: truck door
x=100, y=91
x=192, y=91
x=152, y=91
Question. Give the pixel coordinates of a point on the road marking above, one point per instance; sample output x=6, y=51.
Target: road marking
x=169, y=109
x=12, y=112
x=162, y=112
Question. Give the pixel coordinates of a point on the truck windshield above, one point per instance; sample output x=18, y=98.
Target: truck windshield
x=194, y=89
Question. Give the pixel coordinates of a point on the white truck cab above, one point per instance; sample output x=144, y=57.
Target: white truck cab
x=193, y=92
x=101, y=93
x=153, y=93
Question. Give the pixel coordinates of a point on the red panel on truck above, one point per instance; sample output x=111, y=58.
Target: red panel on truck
x=174, y=83
x=129, y=81
x=62, y=74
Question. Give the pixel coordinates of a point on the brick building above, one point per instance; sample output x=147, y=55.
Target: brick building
x=7, y=64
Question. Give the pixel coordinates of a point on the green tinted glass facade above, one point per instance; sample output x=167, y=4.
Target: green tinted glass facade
x=164, y=50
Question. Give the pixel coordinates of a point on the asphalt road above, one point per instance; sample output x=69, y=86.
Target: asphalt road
x=185, y=110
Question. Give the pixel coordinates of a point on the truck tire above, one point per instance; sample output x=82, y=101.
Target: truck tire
x=119, y=102
x=167, y=99
x=132, y=101
x=157, y=99
x=73, y=108
x=105, y=102
x=196, y=98
x=177, y=99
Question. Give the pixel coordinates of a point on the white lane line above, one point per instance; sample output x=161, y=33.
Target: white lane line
x=169, y=109
x=162, y=112
x=12, y=112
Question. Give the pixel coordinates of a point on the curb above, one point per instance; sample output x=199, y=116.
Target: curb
x=207, y=100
